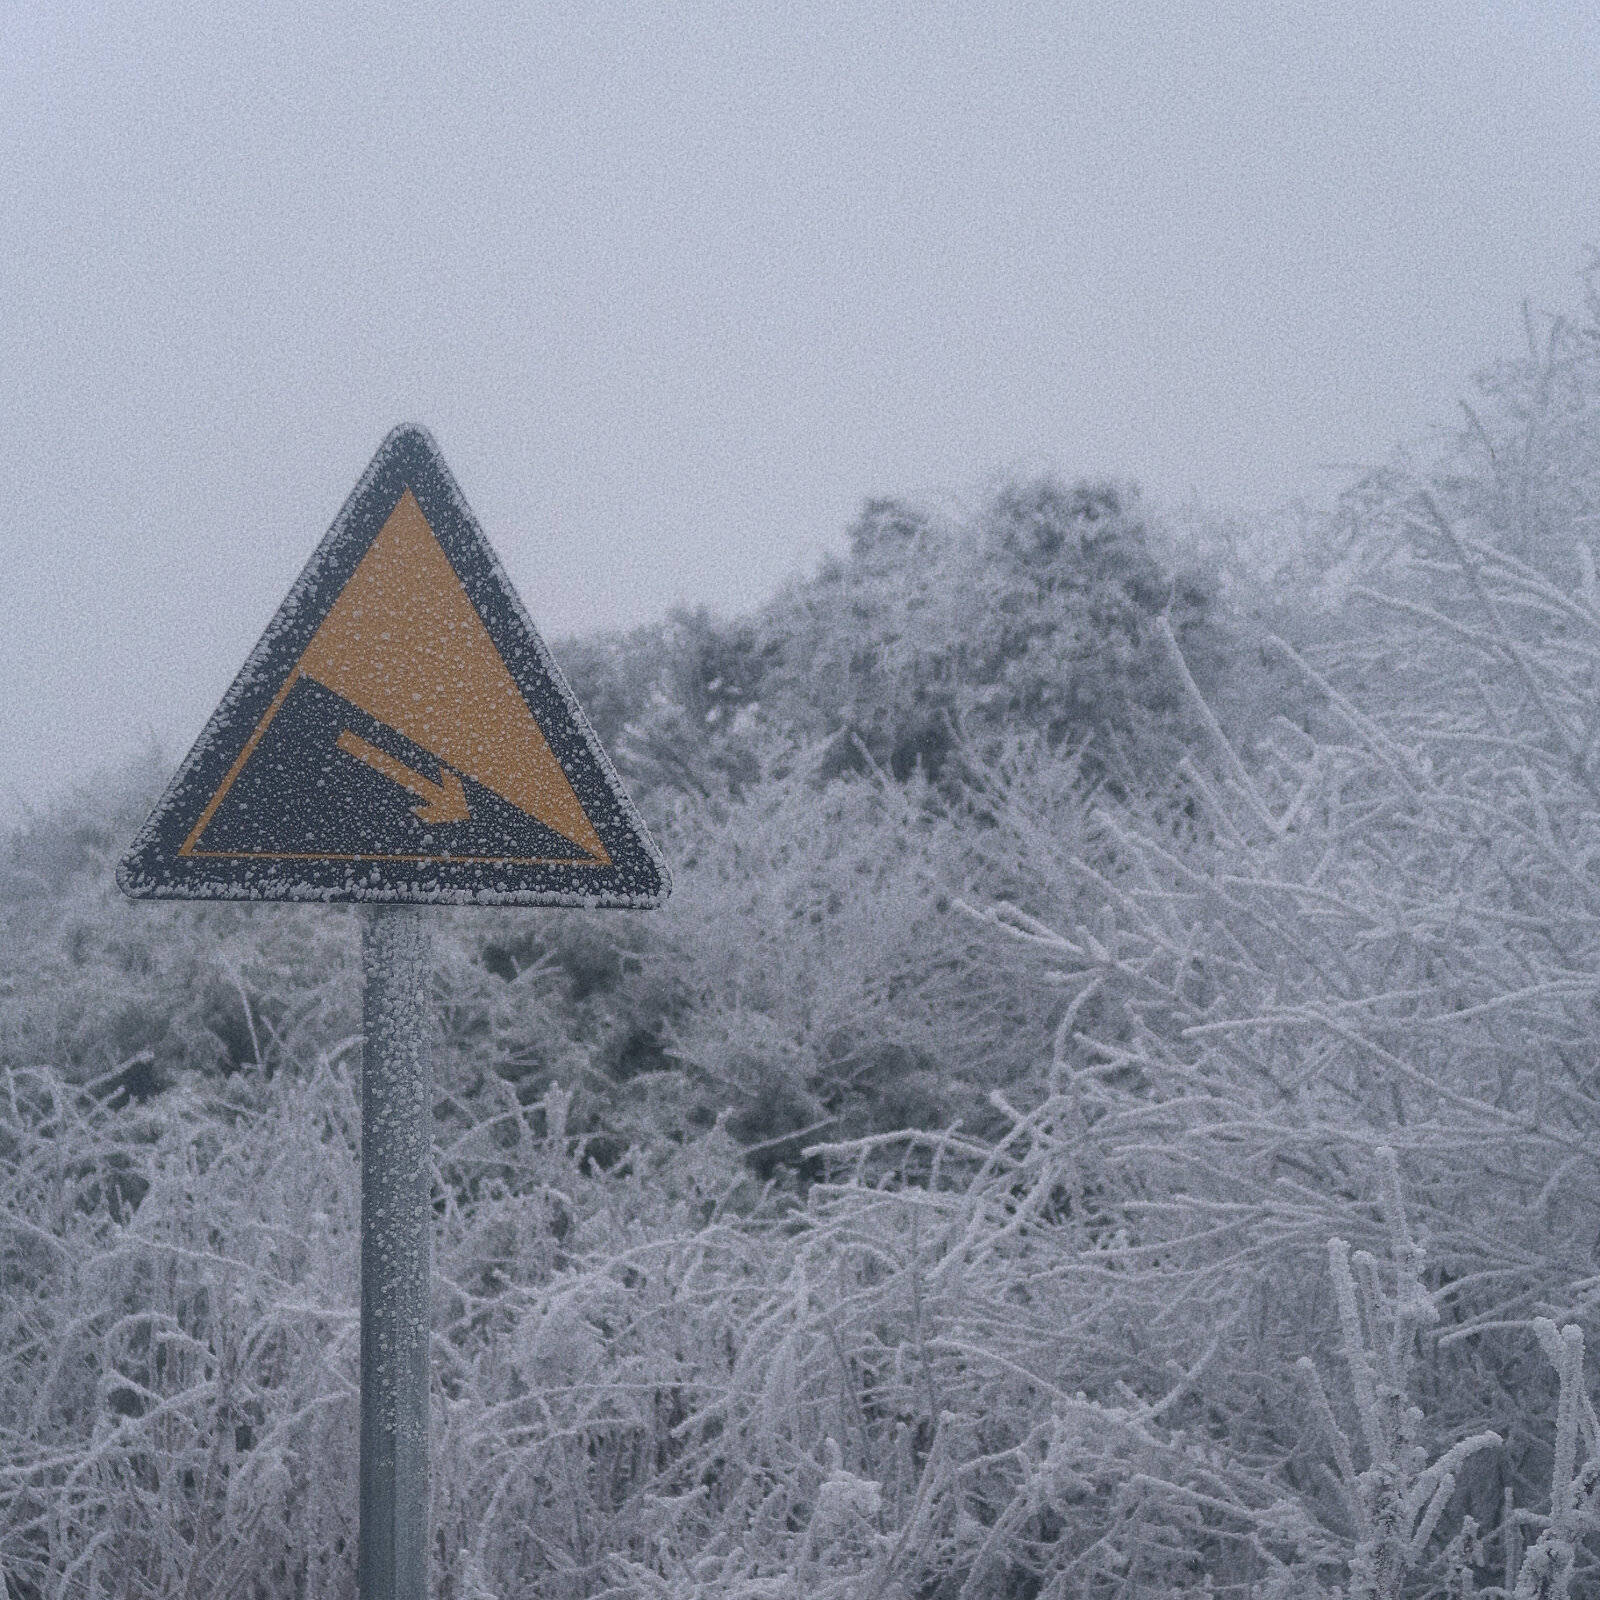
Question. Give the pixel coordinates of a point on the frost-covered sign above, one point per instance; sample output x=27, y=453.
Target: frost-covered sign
x=400, y=733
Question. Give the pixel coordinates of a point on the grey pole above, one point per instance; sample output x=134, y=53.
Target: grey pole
x=396, y=1126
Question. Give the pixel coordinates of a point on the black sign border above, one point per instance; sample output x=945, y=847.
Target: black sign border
x=637, y=877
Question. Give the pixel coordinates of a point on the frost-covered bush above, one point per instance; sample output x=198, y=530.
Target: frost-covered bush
x=1013, y=1185
x=1380, y=931
x=829, y=987
x=1034, y=612
x=95, y=985
x=938, y=636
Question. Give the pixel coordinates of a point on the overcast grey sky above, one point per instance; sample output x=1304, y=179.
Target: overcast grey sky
x=675, y=286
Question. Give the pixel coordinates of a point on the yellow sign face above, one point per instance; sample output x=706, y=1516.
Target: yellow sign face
x=403, y=643
x=412, y=740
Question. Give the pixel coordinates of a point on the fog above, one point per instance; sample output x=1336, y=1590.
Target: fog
x=676, y=287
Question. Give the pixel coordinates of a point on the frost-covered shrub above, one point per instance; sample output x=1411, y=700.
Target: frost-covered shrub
x=1035, y=612
x=96, y=986
x=828, y=985
x=1197, y=1176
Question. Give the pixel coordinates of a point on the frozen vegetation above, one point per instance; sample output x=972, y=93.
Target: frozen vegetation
x=1110, y=1110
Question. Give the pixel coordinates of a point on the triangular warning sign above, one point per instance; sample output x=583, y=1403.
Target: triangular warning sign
x=399, y=733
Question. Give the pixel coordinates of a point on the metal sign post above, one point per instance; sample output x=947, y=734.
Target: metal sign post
x=400, y=669
x=396, y=1218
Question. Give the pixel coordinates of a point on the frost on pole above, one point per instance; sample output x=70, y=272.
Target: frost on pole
x=400, y=733
x=396, y=1228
